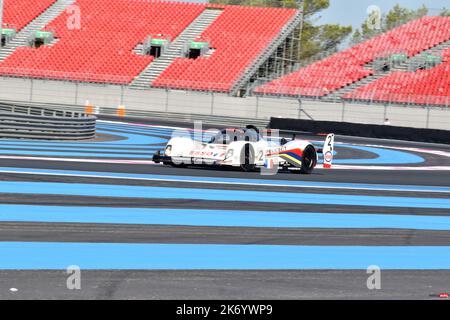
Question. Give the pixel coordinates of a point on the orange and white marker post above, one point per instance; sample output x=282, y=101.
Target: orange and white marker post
x=89, y=108
x=121, y=111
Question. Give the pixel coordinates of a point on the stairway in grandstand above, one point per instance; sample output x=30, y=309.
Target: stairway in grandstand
x=277, y=41
x=337, y=94
x=351, y=69
x=24, y=35
x=175, y=50
x=420, y=59
x=408, y=65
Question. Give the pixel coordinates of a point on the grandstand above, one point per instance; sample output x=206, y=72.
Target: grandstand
x=423, y=87
x=145, y=45
x=22, y=19
x=379, y=60
x=17, y=14
x=248, y=32
x=148, y=43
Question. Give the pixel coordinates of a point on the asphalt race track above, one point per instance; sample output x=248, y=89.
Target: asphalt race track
x=142, y=230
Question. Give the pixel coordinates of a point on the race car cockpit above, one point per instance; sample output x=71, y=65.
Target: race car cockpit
x=226, y=136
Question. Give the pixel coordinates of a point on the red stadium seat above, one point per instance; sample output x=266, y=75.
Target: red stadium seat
x=429, y=87
x=346, y=67
x=238, y=36
x=101, y=51
x=19, y=13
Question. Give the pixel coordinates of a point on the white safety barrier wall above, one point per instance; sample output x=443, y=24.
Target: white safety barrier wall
x=190, y=102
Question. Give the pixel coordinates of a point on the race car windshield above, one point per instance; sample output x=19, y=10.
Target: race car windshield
x=228, y=136
x=251, y=135
x=221, y=138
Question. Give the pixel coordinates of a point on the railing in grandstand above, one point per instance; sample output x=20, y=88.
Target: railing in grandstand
x=403, y=99
x=108, y=79
x=371, y=97
x=297, y=93
x=303, y=63
x=433, y=112
x=64, y=75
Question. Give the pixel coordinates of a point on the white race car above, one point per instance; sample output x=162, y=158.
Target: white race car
x=248, y=150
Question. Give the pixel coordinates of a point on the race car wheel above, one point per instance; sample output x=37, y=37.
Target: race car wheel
x=177, y=165
x=248, y=158
x=309, y=160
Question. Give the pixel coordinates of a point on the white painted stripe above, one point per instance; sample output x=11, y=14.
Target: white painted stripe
x=113, y=161
x=238, y=183
x=150, y=162
x=388, y=168
x=419, y=150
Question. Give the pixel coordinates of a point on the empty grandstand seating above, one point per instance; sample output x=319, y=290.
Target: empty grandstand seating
x=101, y=50
x=19, y=13
x=348, y=66
x=425, y=87
x=238, y=36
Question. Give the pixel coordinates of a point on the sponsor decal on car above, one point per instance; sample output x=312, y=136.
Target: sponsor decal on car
x=205, y=153
x=275, y=151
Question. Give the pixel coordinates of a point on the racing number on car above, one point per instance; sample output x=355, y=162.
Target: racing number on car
x=260, y=155
x=329, y=143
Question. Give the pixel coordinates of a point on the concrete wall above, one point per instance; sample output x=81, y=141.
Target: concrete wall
x=47, y=91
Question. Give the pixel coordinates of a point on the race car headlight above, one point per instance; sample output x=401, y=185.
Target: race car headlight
x=229, y=154
x=168, y=151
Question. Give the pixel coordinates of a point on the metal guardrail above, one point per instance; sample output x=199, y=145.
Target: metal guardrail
x=32, y=122
x=190, y=118
x=160, y=116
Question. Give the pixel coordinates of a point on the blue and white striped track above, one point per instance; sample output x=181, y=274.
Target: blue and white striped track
x=373, y=206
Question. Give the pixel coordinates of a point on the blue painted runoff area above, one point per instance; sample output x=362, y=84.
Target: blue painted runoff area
x=218, y=218
x=126, y=191
x=145, y=135
x=237, y=181
x=104, y=256
x=384, y=156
